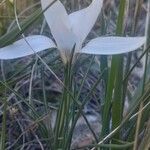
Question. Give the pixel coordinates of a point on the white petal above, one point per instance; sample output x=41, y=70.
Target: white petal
x=58, y=21
x=82, y=21
x=113, y=45
x=21, y=47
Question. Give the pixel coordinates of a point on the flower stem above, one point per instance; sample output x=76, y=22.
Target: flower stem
x=63, y=115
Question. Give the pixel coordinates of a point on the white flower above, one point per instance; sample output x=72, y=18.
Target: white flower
x=70, y=30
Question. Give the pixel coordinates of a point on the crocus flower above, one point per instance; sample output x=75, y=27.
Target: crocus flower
x=69, y=31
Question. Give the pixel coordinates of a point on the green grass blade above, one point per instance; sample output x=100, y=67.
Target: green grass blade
x=114, y=83
x=108, y=100
x=117, y=106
